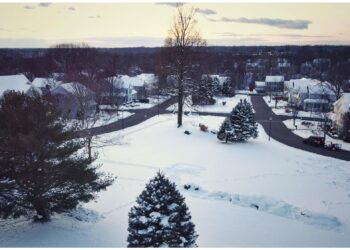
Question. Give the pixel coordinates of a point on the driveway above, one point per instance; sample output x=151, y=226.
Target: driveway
x=281, y=133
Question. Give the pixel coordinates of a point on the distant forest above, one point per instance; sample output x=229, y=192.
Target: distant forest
x=250, y=63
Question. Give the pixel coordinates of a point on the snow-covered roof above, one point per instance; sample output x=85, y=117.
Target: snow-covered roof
x=302, y=83
x=343, y=103
x=14, y=82
x=148, y=78
x=72, y=87
x=312, y=86
x=260, y=84
x=274, y=79
x=42, y=82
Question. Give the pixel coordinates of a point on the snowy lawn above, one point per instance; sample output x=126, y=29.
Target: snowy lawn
x=106, y=118
x=257, y=193
x=281, y=109
x=218, y=107
x=314, y=129
x=153, y=101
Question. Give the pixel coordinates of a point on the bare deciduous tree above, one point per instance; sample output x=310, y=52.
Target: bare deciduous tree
x=181, y=44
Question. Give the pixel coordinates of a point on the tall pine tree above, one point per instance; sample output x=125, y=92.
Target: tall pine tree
x=240, y=125
x=41, y=169
x=161, y=217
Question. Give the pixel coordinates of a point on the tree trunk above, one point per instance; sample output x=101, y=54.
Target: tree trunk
x=42, y=213
x=180, y=106
x=89, y=149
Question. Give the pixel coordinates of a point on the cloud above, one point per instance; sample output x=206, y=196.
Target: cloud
x=229, y=34
x=44, y=4
x=27, y=7
x=279, y=23
x=172, y=4
x=71, y=8
x=97, y=16
x=205, y=11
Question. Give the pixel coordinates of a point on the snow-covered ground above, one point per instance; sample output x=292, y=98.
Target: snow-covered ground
x=105, y=118
x=153, y=101
x=281, y=109
x=258, y=193
x=218, y=107
x=315, y=128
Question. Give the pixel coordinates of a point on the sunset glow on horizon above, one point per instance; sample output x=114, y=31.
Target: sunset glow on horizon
x=32, y=25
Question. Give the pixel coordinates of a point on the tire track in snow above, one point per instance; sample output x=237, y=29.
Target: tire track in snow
x=270, y=205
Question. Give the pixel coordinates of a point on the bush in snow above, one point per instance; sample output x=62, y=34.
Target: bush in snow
x=240, y=125
x=41, y=169
x=161, y=217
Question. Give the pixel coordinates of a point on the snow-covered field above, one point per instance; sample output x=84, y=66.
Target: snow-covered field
x=313, y=129
x=281, y=109
x=218, y=107
x=258, y=193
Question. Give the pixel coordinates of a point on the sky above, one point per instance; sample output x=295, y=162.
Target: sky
x=33, y=25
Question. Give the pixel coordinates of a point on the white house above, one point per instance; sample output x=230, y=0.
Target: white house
x=72, y=98
x=274, y=84
x=310, y=94
x=16, y=83
x=341, y=106
x=260, y=86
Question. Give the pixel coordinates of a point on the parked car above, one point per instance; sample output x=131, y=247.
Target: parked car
x=144, y=100
x=332, y=146
x=314, y=141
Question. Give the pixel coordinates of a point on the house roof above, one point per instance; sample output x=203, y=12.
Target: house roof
x=302, y=83
x=260, y=84
x=343, y=103
x=148, y=78
x=314, y=86
x=71, y=87
x=14, y=82
x=274, y=78
x=42, y=82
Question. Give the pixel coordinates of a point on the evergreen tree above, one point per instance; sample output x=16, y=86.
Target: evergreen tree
x=345, y=131
x=227, y=88
x=225, y=131
x=240, y=125
x=202, y=92
x=41, y=170
x=161, y=217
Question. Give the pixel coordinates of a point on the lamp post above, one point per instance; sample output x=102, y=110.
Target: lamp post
x=270, y=119
x=122, y=109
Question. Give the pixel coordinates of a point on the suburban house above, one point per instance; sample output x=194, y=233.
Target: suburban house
x=310, y=94
x=73, y=98
x=120, y=90
x=16, y=83
x=274, y=85
x=45, y=84
x=260, y=87
x=341, y=106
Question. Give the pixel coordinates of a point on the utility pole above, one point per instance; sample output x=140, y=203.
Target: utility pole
x=270, y=127
x=122, y=109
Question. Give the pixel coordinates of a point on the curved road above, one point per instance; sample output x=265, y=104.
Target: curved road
x=281, y=133
x=140, y=116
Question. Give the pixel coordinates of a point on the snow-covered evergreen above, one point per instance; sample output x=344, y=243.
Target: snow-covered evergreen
x=240, y=125
x=161, y=217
